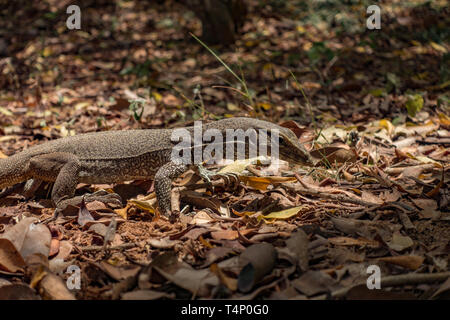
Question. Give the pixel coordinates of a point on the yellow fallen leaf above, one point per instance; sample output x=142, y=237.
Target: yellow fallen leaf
x=301, y=29
x=264, y=105
x=241, y=214
x=123, y=212
x=283, y=214
x=239, y=165
x=232, y=107
x=6, y=112
x=46, y=52
x=261, y=183
x=205, y=242
x=386, y=124
x=158, y=97
x=438, y=47
x=267, y=67
x=144, y=205
x=424, y=159
x=82, y=105
x=444, y=119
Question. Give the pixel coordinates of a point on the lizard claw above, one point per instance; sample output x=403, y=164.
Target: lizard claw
x=229, y=178
x=206, y=175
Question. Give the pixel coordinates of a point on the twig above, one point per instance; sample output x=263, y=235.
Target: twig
x=399, y=280
x=321, y=194
x=118, y=247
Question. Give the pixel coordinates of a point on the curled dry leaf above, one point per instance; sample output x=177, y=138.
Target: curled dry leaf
x=297, y=247
x=410, y=262
x=84, y=215
x=314, y=282
x=198, y=282
x=29, y=238
x=257, y=261
x=10, y=258
x=261, y=183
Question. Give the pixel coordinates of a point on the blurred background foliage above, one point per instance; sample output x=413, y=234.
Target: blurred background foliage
x=146, y=47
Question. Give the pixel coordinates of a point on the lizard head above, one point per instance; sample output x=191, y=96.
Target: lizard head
x=290, y=149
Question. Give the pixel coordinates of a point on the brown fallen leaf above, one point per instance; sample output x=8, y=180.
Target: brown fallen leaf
x=314, y=282
x=370, y=197
x=347, y=241
x=18, y=292
x=84, y=214
x=118, y=272
x=256, y=261
x=410, y=262
x=54, y=247
x=230, y=234
x=261, y=183
x=29, y=238
x=10, y=258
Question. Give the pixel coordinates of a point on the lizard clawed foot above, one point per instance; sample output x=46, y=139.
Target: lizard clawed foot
x=230, y=179
x=206, y=175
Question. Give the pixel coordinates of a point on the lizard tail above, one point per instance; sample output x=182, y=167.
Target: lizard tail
x=12, y=171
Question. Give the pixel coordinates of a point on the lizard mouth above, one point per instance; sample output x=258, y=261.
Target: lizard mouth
x=294, y=156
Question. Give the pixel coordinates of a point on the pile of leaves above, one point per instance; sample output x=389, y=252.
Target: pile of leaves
x=279, y=233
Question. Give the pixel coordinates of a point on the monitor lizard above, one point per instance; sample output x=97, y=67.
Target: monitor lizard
x=117, y=156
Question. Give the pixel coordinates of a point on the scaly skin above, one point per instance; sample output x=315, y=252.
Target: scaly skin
x=116, y=156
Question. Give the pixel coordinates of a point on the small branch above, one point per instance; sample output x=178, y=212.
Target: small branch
x=118, y=247
x=321, y=194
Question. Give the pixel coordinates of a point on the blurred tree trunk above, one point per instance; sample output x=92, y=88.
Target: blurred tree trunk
x=221, y=19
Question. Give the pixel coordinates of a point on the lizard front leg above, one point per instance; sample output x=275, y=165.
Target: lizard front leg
x=163, y=184
x=63, y=168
